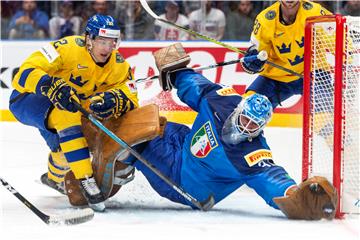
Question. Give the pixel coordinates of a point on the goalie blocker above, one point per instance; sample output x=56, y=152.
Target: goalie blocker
x=168, y=59
x=137, y=126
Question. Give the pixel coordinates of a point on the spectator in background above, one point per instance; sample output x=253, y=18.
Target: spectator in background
x=210, y=23
x=91, y=8
x=66, y=24
x=29, y=22
x=164, y=31
x=135, y=23
x=329, y=5
x=239, y=24
x=351, y=8
x=7, y=10
x=190, y=6
x=100, y=7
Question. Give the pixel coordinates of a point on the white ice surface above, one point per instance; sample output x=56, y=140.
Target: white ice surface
x=137, y=212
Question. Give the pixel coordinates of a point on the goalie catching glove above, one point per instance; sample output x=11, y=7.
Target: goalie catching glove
x=60, y=94
x=110, y=103
x=314, y=199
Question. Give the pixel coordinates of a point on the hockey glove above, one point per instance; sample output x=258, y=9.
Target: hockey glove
x=112, y=102
x=251, y=62
x=168, y=59
x=60, y=94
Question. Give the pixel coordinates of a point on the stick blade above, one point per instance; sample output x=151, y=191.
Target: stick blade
x=148, y=9
x=75, y=217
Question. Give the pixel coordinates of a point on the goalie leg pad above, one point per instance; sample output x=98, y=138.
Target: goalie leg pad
x=168, y=59
x=134, y=127
x=316, y=198
x=73, y=191
x=162, y=122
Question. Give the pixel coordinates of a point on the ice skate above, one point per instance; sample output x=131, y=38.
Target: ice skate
x=52, y=184
x=92, y=194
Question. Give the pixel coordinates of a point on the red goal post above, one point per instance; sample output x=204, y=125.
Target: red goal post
x=331, y=116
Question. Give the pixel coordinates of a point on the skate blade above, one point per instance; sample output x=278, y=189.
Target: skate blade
x=98, y=207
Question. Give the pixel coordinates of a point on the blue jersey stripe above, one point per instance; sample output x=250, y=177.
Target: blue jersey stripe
x=24, y=76
x=44, y=80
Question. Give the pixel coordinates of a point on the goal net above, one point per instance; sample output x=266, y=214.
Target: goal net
x=331, y=105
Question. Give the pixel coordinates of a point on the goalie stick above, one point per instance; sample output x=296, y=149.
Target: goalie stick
x=204, y=205
x=76, y=217
x=199, y=35
x=262, y=56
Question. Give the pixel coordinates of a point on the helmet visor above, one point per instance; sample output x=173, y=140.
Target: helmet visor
x=108, y=43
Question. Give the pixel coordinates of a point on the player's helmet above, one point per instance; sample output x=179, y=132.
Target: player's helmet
x=248, y=119
x=103, y=26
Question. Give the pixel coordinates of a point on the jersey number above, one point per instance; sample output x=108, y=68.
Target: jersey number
x=256, y=26
x=61, y=42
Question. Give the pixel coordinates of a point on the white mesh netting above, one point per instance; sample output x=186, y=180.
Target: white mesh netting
x=322, y=107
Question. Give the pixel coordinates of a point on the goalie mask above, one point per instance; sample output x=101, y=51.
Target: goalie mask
x=102, y=36
x=247, y=120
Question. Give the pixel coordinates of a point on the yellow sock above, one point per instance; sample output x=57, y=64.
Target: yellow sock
x=72, y=141
x=57, y=166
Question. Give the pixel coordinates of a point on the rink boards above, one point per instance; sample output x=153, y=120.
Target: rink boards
x=139, y=55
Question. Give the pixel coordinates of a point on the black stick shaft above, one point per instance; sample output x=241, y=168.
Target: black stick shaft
x=203, y=206
x=45, y=218
x=219, y=64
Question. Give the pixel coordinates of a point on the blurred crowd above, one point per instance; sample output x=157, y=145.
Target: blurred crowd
x=222, y=20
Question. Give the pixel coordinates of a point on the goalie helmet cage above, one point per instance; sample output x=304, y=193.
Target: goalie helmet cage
x=331, y=105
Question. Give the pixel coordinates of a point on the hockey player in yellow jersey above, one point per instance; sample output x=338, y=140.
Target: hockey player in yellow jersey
x=87, y=69
x=279, y=30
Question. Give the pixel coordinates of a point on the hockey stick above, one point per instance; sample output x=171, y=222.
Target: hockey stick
x=77, y=217
x=204, y=206
x=199, y=35
x=262, y=56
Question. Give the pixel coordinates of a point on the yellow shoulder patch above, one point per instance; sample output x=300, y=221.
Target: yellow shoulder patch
x=257, y=156
x=227, y=92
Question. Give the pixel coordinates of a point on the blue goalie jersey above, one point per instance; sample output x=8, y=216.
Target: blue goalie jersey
x=200, y=161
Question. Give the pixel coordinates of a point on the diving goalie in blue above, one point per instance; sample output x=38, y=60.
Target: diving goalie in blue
x=225, y=148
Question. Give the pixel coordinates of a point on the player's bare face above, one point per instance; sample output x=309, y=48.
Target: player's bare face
x=102, y=48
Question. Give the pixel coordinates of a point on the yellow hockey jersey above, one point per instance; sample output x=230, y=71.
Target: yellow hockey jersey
x=69, y=59
x=283, y=43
